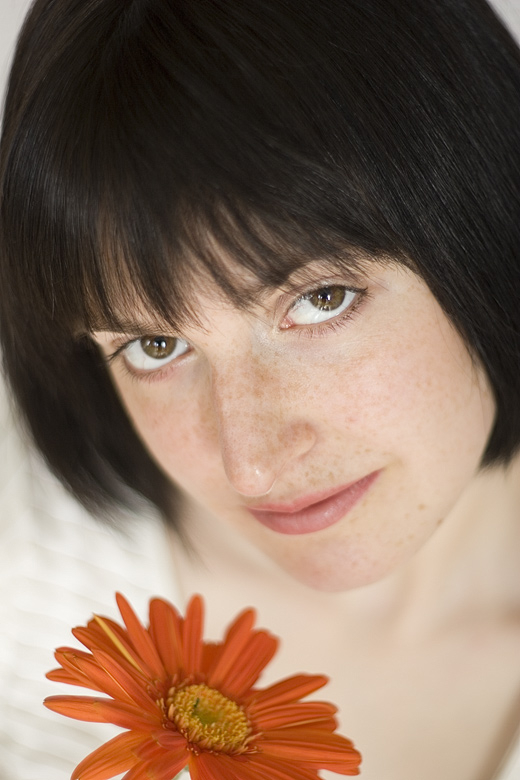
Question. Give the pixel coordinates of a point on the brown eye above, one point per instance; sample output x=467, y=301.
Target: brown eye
x=149, y=353
x=321, y=305
x=158, y=347
x=327, y=298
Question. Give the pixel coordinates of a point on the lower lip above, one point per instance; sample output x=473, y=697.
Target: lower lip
x=317, y=516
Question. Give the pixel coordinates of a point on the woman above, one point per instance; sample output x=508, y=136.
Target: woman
x=260, y=268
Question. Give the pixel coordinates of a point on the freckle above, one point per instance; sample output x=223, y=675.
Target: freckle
x=421, y=506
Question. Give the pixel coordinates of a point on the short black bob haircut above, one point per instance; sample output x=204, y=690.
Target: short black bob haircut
x=144, y=140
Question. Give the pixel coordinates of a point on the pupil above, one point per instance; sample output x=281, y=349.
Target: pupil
x=328, y=298
x=158, y=347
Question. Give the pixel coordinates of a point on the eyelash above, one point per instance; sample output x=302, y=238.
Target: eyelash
x=117, y=352
x=321, y=329
x=303, y=331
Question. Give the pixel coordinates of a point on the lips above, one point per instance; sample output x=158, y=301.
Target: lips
x=313, y=512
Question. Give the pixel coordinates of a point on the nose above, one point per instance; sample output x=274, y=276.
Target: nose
x=261, y=435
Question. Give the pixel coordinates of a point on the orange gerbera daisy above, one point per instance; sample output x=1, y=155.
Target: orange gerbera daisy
x=190, y=703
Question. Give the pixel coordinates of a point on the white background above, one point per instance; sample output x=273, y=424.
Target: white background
x=12, y=13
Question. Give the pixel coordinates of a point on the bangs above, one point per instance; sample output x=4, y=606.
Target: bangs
x=169, y=225
x=238, y=257
x=181, y=151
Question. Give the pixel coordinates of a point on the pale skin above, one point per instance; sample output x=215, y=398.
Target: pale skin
x=411, y=601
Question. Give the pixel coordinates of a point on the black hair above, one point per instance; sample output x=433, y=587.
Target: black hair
x=149, y=144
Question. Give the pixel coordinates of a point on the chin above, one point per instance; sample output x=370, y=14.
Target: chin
x=337, y=570
x=334, y=577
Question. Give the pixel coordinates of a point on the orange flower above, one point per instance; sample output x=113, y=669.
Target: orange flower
x=190, y=703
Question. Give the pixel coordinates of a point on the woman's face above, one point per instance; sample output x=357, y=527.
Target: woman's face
x=335, y=425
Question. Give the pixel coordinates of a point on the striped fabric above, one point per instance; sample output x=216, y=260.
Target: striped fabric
x=57, y=567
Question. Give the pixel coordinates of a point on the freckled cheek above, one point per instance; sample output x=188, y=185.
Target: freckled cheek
x=179, y=432
x=401, y=380
x=358, y=395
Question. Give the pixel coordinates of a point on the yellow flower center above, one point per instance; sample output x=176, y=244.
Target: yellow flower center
x=208, y=719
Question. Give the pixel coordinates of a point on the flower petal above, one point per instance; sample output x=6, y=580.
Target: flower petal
x=319, y=714
x=235, y=641
x=105, y=637
x=256, y=655
x=288, y=690
x=70, y=659
x=260, y=767
x=124, y=680
x=97, y=710
x=211, y=652
x=166, y=632
x=140, y=638
x=163, y=740
x=64, y=676
x=192, y=636
x=85, y=668
x=92, y=635
x=115, y=756
x=212, y=767
x=255, y=767
x=312, y=747
x=163, y=768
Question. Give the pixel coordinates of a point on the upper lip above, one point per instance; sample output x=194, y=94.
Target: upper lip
x=291, y=507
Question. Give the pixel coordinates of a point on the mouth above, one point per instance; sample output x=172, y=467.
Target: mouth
x=313, y=512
